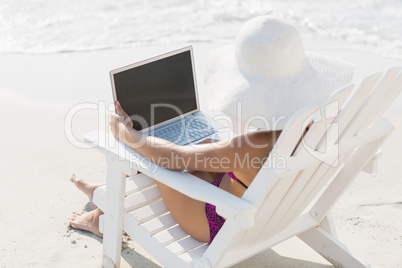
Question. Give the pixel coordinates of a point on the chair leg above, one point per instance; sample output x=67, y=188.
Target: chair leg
x=328, y=225
x=331, y=248
x=323, y=239
x=372, y=165
x=114, y=216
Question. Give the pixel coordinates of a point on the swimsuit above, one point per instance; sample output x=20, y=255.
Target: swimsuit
x=215, y=221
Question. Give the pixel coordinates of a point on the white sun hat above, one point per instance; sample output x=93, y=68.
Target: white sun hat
x=267, y=76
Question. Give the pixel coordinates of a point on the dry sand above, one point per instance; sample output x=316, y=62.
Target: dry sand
x=36, y=196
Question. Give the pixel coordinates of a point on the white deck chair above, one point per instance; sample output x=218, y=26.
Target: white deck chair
x=279, y=204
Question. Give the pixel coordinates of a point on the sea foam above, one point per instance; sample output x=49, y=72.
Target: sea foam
x=76, y=25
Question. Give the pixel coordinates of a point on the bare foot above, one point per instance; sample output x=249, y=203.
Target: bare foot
x=87, y=222
x=86, y=187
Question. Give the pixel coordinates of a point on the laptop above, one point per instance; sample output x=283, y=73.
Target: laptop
x=160, y=96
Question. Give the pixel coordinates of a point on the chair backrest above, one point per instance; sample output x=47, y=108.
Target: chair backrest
x=292, y=179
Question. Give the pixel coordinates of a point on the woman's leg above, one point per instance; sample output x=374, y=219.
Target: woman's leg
x=86, y=187
x=88, y=221
x=189, y=213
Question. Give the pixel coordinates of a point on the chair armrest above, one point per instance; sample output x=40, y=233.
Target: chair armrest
x=130, y=161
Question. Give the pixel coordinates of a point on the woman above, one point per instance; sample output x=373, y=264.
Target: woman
x=268, y=73
x=195, y=217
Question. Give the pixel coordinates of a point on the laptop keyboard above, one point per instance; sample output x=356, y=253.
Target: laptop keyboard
x=185, y=132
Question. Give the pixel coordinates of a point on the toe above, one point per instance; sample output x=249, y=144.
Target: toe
x=73, y=178
x=75, y=216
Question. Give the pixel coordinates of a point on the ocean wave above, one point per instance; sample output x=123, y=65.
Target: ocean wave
x=74, y=25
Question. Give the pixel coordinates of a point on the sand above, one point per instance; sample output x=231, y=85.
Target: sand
x=38, y=92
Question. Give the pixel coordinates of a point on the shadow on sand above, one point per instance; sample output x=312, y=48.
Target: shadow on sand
x=268, y=258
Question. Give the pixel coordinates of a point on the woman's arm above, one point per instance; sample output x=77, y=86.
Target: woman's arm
x=243, y=152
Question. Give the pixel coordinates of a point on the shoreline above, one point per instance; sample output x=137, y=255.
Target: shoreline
x=37, y=161
x=73, y=72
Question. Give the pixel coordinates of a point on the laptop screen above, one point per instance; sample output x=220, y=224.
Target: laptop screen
x=157, y=90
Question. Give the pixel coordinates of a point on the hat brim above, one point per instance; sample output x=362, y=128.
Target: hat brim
x=268, y=100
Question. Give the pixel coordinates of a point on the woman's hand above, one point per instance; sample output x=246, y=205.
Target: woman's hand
x=120, y=122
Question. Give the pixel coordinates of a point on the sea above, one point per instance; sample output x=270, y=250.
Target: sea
x=66, y=26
